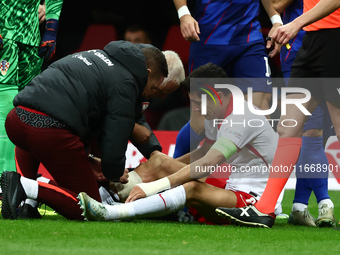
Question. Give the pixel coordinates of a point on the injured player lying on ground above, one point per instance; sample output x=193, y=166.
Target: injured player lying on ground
x=178, y=184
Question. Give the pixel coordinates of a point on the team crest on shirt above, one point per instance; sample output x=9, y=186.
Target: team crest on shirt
x=145, y=106
x=4, y=67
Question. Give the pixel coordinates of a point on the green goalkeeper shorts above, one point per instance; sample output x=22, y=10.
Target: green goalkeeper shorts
x=19, y=64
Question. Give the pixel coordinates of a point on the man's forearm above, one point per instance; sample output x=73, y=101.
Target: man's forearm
x=319, y=11
x=268, y=6
x=179, y=3
x=281, y=5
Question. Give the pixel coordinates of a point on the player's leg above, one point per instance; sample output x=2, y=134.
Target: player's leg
x=300, y=213
x=29, y=64
x=7, y=162
x=30, y=165
x=154, y=206
x=27, y=164
x=326, y=206
x=63, y=155
x=73, y=174
x=322, y=65
x=202, y=196
x=287, y=152
x=252, y=69
x=8, y=90
x=206, y=198
x=330, y=65
x=312, y=154
x=330, y=89
x=158, y=166
x=201, y=54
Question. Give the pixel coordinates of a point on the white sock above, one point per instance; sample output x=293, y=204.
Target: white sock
x=299, y=207
x=30, y=187
x=327, y=202
x=33, y=202
x=153, y=206
x=43, y=179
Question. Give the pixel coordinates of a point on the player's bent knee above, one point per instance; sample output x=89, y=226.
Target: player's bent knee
x=192, y=190
x=167, y=161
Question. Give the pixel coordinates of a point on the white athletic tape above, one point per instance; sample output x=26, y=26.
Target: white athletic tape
x=152, y=188
x=276, y=19
x=183, y=11
x=125, y=189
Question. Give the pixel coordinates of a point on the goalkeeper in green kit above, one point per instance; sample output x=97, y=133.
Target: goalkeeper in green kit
x=22, y=51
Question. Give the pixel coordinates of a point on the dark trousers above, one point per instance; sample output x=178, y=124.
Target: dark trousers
x=63, y=155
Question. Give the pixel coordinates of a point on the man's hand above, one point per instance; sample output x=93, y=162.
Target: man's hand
x=125, y=177
x=141, y=134
x=136, y=193
x=42, y=13
x=272, y=43
x=49, y=39
x=189, y=28
x=97, y=168
x=284, y=33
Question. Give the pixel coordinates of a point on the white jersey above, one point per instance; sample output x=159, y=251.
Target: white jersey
x=256, y=141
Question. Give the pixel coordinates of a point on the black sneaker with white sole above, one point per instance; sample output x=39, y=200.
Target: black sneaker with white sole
x=12, y=194
x=247, y=216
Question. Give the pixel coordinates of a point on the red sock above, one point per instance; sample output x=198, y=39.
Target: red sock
x=286, y=155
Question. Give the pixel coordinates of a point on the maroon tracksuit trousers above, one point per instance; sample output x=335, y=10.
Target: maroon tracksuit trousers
x=63, y=155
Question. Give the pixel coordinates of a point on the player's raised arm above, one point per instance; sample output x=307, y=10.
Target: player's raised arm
x=189, y=26
x=322, y=9
x=275, y=19
x=281, y=5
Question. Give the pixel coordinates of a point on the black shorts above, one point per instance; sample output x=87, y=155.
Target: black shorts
x=318, y=62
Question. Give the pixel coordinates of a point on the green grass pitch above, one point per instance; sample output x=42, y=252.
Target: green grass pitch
x=56, y=235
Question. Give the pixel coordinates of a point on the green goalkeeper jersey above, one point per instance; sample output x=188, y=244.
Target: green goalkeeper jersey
x=19, y=19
